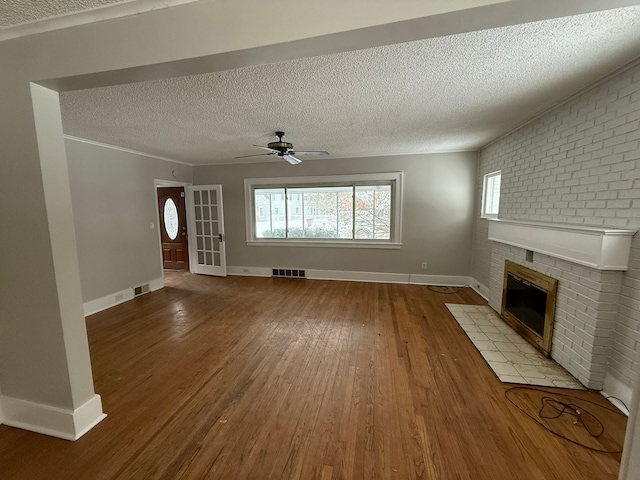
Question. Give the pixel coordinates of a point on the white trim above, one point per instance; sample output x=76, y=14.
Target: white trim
x=325, y=180
x=374, y=277
x=615, y=388
x=126, y=150
x=53, y=421
x=324, y=243
x=98, y=14
x=439, y=280
x=351, y=276
x=194, y=265
x=249, y=271
x=113, y=299
x=599, y=248
x=159, y=183
x=480, y=288
x=485, y=180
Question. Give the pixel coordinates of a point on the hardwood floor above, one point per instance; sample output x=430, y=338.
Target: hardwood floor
x=260, y=378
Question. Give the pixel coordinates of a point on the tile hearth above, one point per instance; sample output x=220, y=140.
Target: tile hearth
x=511, y=357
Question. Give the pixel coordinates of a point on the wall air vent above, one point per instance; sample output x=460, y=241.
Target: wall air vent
x=141, y=290
x=288, y=272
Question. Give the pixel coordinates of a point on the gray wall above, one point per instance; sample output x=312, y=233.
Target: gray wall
x=114, y=201
x=579, y=164
x=439, y=194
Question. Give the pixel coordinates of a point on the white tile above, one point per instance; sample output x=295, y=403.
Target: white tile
x=529, y=371
x=517, y=357
x=496, y=322
x=506, y=347
x=543, y=382
x=470, y=328
x=535, y=358
x=512, y=379
x=490, y=356
x=497, y=337
x=489, y=329
x=464, y=320
x=485, y=346
x=501, y=368
x=484, y=322
x=470, y=308
x=515, y=338
x=507, y=330
x=477, y=336
x=569, y=383
x=526, y=348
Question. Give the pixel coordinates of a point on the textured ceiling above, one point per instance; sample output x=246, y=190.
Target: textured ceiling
x=450, y=93
x=17, y=12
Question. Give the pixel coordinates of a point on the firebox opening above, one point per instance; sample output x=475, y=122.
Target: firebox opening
x=529, y=303
x=526, y=302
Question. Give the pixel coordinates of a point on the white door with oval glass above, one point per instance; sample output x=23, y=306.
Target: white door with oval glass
x=206, y=229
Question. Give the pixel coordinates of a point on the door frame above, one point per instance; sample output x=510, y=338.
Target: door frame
x=168, y=183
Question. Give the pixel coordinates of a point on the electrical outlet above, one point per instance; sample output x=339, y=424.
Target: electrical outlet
x=424, y=265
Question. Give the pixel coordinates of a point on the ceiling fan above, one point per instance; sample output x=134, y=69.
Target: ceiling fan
x=285, y=150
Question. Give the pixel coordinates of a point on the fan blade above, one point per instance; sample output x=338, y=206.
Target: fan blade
x=291, y=159
x=266, y=148
x=320, y=153
x=256, y=155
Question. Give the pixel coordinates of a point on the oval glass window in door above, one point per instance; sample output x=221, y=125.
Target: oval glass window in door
x=171, y=218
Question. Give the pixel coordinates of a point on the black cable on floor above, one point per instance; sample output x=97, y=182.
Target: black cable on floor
x=443, y=289
x=553, y=408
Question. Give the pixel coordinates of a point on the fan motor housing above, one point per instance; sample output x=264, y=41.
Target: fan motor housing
x=282, y=147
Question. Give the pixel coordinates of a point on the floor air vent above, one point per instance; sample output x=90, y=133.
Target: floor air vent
x=141, y=290
x=288, y=272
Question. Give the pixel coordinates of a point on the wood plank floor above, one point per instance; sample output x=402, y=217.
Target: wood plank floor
x=260, y=378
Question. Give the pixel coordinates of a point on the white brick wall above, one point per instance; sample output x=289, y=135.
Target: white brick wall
x=578, y=163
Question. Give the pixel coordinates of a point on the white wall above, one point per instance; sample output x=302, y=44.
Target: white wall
x=114, y=202
x=579, y=164
x=437, y=215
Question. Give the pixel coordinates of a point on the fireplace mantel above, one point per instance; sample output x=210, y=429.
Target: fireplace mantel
x=599, y=248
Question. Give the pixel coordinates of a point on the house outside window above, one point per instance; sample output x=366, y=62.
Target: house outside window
x=347, y=210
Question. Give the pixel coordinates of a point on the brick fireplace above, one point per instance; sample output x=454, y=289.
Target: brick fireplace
x=588, y=264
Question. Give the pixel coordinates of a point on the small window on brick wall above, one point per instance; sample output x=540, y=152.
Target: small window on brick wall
x=491, y=195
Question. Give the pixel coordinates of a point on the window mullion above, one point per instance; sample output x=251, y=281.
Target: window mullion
x=353, y=212
x=286, y=213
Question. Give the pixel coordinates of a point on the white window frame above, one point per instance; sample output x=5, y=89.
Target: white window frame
x=487, y=178
x=394, y=178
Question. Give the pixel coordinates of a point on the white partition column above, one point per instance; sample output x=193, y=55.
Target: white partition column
x=45, y=369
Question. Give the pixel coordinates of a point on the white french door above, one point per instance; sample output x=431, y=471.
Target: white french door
x=206, y=224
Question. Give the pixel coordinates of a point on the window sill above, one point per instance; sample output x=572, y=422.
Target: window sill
x=323, y=244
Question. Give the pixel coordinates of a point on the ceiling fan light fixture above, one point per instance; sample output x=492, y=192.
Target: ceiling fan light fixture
x=285, y=150
x=291, y=159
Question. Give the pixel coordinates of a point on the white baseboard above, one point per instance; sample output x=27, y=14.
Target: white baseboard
x=53, y=421
x=350, y=276
x=374, y=277
x=113, y=299
x=617, y=390
x=479, y=288
x=249, y=271
x=444, y=280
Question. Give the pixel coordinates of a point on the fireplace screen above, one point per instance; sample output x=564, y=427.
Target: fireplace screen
x=528, y=304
